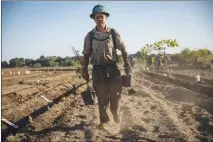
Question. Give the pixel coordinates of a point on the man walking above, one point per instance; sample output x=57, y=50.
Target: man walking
x=100, y=44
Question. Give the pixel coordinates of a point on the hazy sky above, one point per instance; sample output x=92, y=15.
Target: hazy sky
x=32, y=29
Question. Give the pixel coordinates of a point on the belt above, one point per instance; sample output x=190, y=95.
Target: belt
x=106, y=68
x=104, y=65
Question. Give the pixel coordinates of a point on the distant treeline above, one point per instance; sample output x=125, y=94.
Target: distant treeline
x=196, y=57
x=48, y=61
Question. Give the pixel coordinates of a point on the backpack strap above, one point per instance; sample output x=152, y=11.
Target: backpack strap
x=112, y=32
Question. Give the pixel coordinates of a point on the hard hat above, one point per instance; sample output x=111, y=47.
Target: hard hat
x=99, y=9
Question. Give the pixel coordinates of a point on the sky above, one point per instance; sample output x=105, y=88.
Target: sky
x=31, y=29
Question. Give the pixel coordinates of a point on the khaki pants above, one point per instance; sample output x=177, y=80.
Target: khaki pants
x=108, y=89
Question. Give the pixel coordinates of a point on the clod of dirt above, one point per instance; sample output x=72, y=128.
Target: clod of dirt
x=12, y=139
x=131, y=100
x=182, y=114
x=147, y=120
x=146, y=100
x=139, y=103
x=138, y=127
x=31, y=127
x=19, y=137
x=164, y=136
x=124, y=108
x=21, y=82
x=153, y=107
x=14, y=94
x=145, y=112
x=81, y=116
x=204, y=74
x=131, y=91
x=156, y=129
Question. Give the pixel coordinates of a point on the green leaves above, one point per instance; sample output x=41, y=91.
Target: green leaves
x=200, y=56
x=159, y=45
x=169, y=43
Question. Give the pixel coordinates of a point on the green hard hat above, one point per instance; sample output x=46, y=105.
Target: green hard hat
x=99, y=9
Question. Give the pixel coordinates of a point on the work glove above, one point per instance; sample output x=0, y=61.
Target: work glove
x=127, y=68
x=85, y=74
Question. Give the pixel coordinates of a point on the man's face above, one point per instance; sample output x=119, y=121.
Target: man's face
x=100, y=19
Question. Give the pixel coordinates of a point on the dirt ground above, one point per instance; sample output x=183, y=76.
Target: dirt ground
x=52, y=109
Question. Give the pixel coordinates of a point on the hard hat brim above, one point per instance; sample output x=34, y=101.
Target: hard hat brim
x=105, y=13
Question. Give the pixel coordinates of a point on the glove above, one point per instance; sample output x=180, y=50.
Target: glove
x=127, y=68
x=85, y=74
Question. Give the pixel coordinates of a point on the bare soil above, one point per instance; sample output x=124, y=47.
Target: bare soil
x=53, y=110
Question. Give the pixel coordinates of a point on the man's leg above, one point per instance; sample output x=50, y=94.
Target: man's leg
x=103, y=101
x=100, y=87
x=115, y=96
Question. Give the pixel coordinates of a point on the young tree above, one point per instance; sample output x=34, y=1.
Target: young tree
x=158, y=46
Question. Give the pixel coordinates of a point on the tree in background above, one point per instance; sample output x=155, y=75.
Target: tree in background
x=158, y=46
x=29, y=62
x=4, y=64
x=199, y=57
x=17, y=62
x=37, y=65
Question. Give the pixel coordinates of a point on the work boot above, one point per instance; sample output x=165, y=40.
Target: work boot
x=104, y=118
x=116, y=119
x=104, y=121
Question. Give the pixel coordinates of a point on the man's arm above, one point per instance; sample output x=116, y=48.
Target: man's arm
x=124, y=55
x=86, y=54
x=86, y=51
x=85, y=61
x=121, y=46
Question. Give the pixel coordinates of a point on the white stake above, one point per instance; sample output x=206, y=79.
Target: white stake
x=46, y=99
x=10, y=123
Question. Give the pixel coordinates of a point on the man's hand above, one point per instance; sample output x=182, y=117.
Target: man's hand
x=127, y=68
x=85, y=74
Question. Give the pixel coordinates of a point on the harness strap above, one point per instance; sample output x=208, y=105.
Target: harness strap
x=112, y=32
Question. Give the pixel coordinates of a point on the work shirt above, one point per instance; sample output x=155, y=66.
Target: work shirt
x=102, y=52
